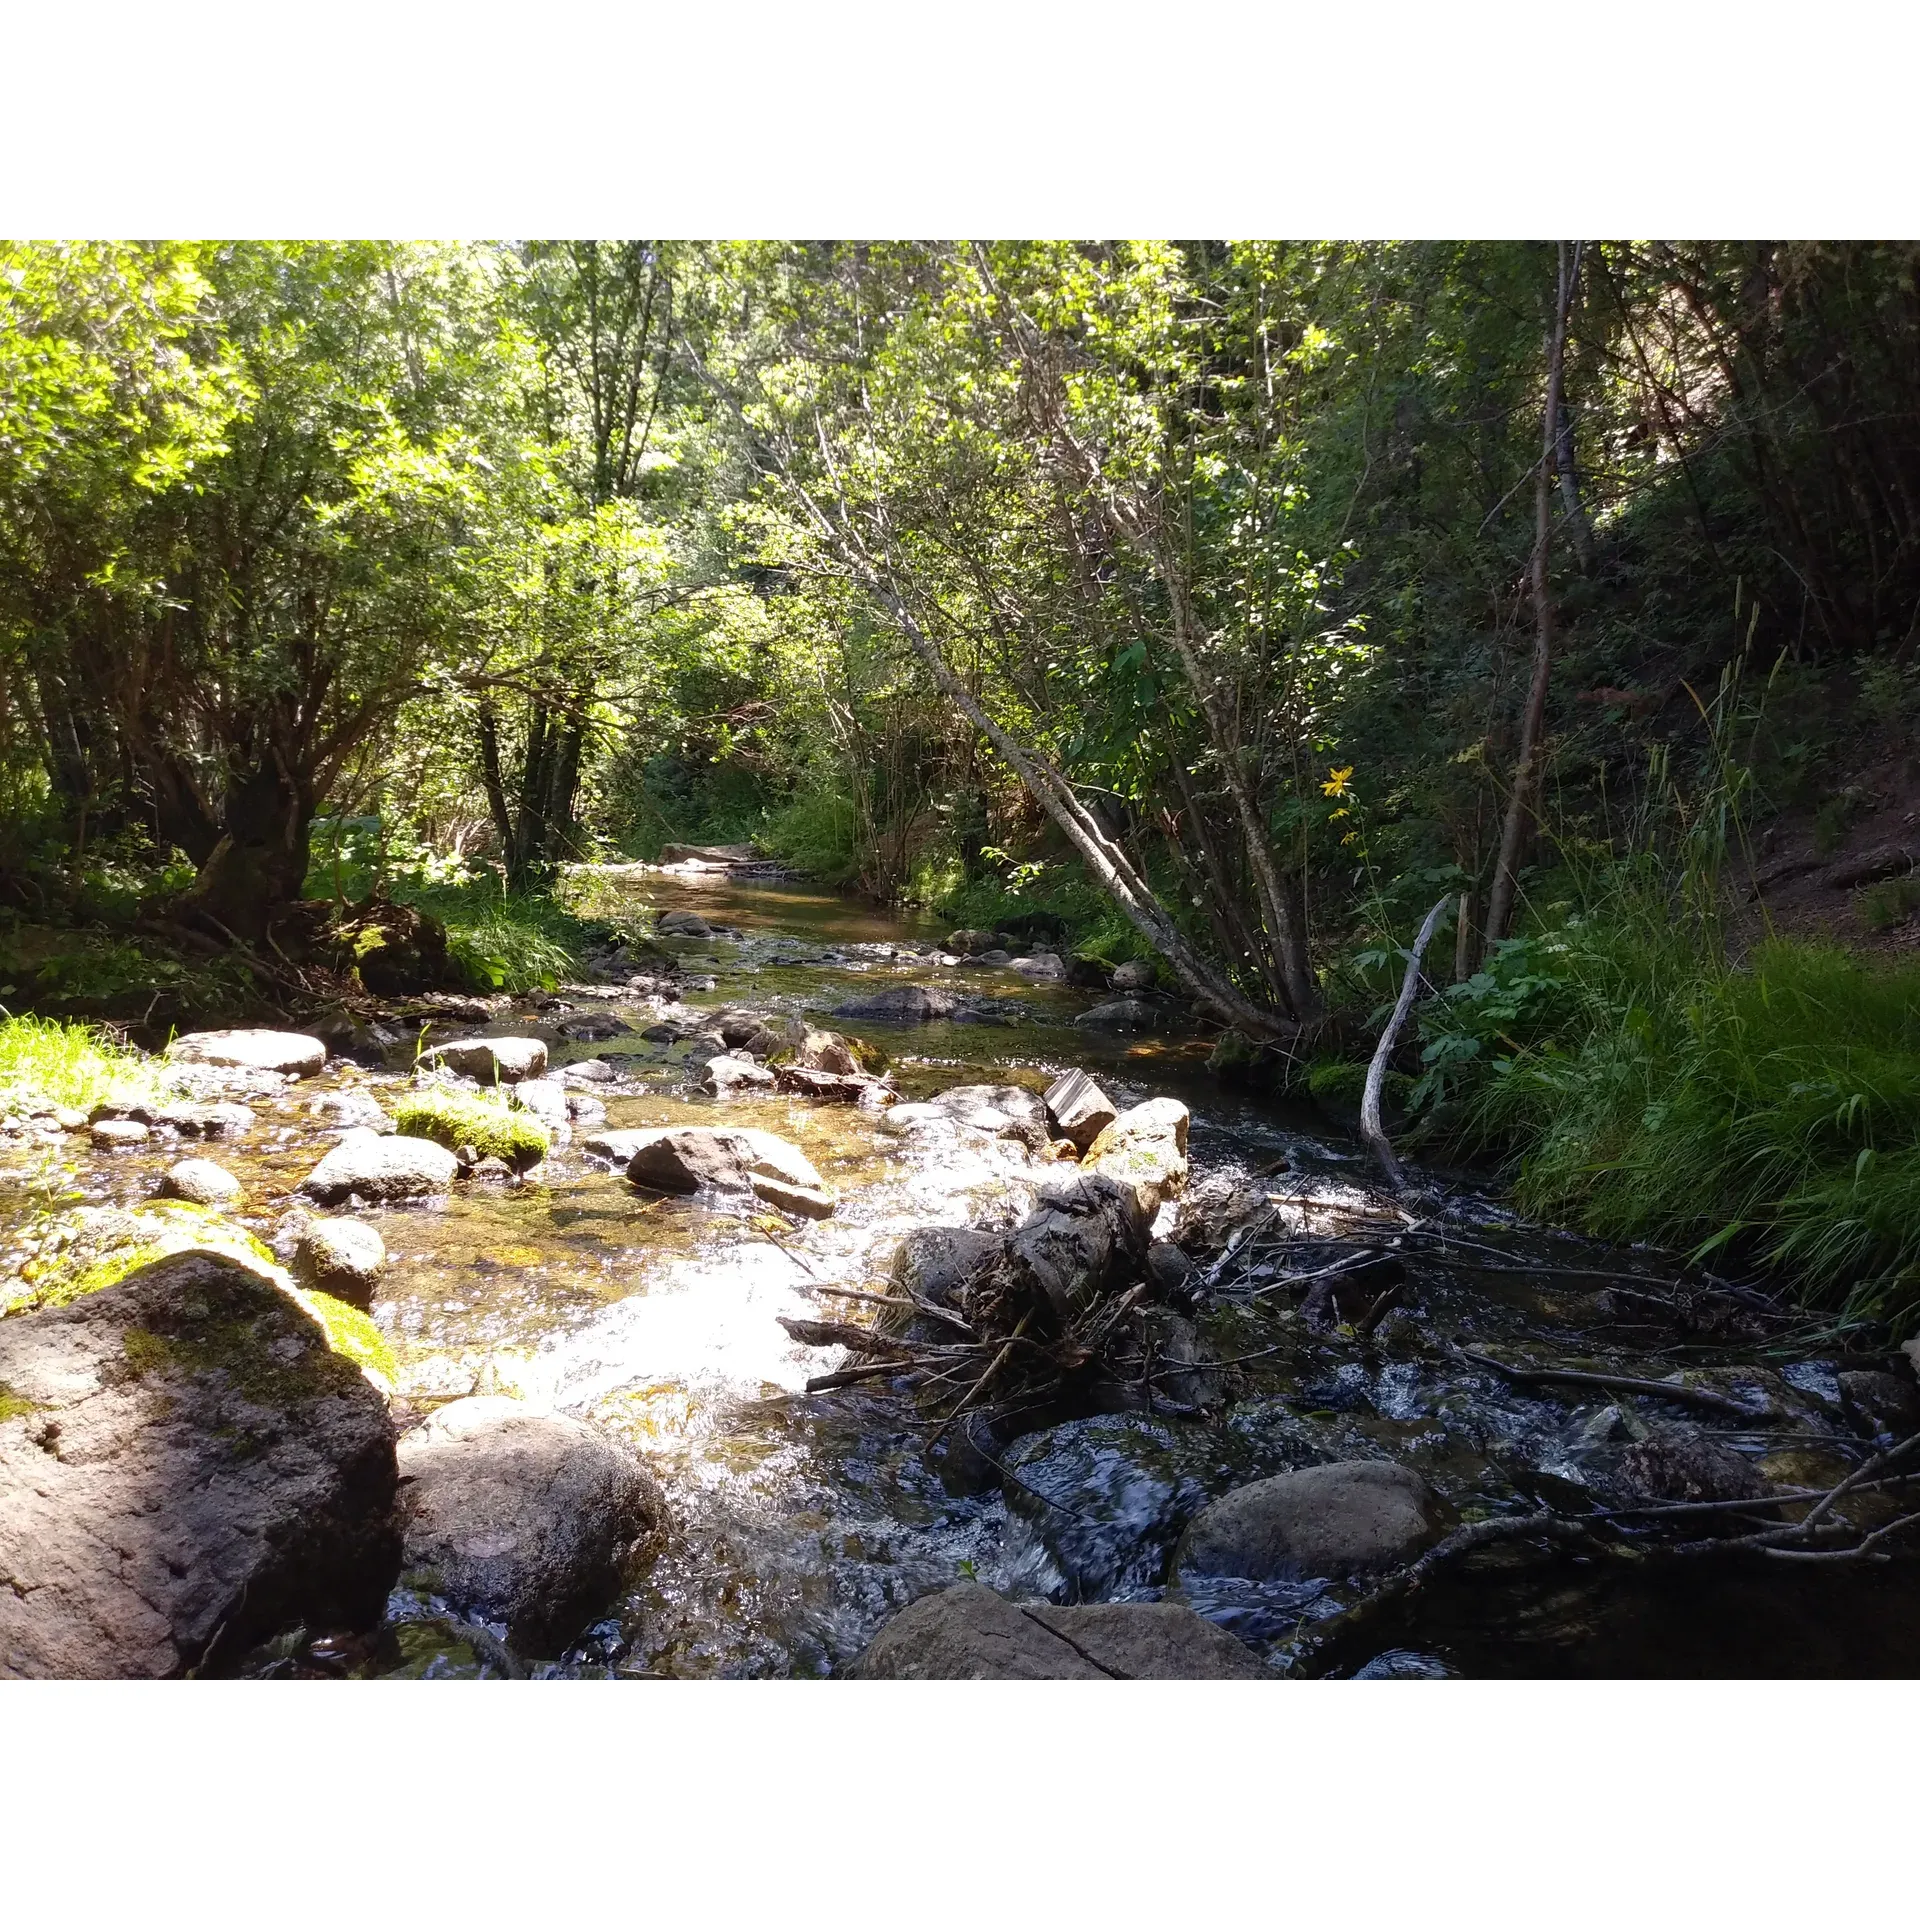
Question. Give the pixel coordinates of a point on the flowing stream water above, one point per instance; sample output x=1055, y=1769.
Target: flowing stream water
x=799, y=1522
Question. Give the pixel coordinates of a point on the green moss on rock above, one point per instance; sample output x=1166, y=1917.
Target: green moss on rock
x=12, y=1406
x=250, y=1349
x=483, y=1121
x=354, y=1337
x=101, y=1246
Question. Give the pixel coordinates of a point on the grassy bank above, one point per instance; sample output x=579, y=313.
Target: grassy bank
x=68, y=1064
x=1643, y=1087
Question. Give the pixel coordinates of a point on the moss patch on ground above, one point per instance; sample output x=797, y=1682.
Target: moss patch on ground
x=483, y=1121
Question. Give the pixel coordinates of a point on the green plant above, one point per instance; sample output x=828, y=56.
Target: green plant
x=68, y=1064
x=484, y=1121
x=1890, y=904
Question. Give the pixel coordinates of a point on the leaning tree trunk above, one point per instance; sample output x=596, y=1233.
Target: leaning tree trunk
x=1107, y=863
x=1513, y=832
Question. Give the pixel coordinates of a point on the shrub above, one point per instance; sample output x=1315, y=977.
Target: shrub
x=1890, y=904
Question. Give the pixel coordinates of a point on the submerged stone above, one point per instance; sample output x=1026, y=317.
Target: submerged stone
x=1111, y=1495
x=968, y=1632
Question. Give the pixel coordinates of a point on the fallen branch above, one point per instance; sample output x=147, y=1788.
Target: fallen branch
x=1614, y=1382
x=1371, y=1131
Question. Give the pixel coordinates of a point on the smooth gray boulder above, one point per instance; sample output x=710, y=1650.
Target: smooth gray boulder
x=967, y=1632
x=341, y=1257
x=1880, y=1403
x=828, y=1052
x=264, y=1049
x=1681, y=1463
x=185, y=1469
x=727, y=1074
x=1133, y=1014
x=525, y=1518
x=689, y=925
x=1130, y=975
x=118, y=1133
x=546, y=1100
x=1047, y=969
x=351, y=1107
x=937, y=1262
x=1321, y=1523
x=502, y=1060
x=966, y=941
x=378, y=1167
x=205, y=1182
x=1079, y=1108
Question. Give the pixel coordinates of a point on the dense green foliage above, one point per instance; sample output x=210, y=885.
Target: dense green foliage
x=1179, y=589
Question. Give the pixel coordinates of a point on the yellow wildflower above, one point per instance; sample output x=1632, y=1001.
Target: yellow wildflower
x=1335, y=786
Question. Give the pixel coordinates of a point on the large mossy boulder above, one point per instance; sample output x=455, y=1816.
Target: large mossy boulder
x=495, y=1129
x=968, y=1632
x=83, y=1249
x=393, y=947
x=186, y=1467
x=524, y=1518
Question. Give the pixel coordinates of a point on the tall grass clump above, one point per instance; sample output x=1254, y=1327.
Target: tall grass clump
x=1770, y=1109
x=68, y=1064
x=1645, y=1082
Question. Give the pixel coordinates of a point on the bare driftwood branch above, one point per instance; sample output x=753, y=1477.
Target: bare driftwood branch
x=1371, y=1131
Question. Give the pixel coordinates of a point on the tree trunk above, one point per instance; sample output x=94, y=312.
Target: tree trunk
x=259, y=863
x=1276, y=908
x=1513, y=832
x=491, y=778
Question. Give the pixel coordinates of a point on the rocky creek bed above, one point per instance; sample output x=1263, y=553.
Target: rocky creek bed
x=783, y=1358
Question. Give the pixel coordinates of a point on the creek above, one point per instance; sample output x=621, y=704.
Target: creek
x=800, y=1522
